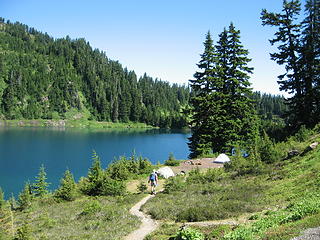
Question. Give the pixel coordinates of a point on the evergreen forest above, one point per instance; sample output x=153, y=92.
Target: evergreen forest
x=46, y=78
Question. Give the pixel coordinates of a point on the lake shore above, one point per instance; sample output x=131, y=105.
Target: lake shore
x=86, y=124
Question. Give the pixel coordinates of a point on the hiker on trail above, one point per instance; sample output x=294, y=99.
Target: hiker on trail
x=153, y=180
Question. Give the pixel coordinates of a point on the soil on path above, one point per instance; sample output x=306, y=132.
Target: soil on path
x=310, y=234
x=147, y=226
x=201, y=163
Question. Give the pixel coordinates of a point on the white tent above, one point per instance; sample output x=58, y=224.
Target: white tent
x=165, y=172
x=222, y=158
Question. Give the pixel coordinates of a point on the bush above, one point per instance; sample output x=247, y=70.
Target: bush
x=25, y=197
x=211, y=175
x=142, y=187
x=145, y=165
x=2, y=201
x=243, y=166
x=191, y=214
x=111, y=187
x=303, y=134
x=188, y=234
x=91, y=208
x=219, y=231
x=171, y=161
x=195, y=176
x=24, y=232
x=174, y=184
x=120, y=169
x=124, y=168
x=267, y=150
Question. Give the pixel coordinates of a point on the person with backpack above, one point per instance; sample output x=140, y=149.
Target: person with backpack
x=153, y=180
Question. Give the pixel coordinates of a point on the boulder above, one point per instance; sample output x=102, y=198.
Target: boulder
x=313, y=145
x=293, y=153
x=165, y=172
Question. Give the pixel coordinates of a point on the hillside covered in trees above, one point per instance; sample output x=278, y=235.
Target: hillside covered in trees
x=46, y=78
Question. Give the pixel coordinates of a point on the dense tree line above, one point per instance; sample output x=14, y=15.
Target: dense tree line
x=298, y=45
x=43, y=77
x=269, y=105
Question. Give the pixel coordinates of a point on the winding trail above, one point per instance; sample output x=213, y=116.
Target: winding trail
x=148, y=224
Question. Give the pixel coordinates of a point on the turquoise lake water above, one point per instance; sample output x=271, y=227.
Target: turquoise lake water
x=23, y=150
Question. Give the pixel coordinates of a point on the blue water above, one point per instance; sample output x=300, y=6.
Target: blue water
x=23, y=150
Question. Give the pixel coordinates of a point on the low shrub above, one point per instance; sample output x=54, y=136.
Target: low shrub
x=91, y=208
x=171, y=161
x=219, y=231
x=302, y=134
x=111, y=187
x=244, y=166
x=294, y=212
x=142, y=187
x=191, y=214
x=2, y=201
x=24, y=232
x=174, y=184
x=195, y=176
x=188, y=234
x=267, y=150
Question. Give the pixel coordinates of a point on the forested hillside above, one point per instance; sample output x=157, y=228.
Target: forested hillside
x=46, y=78
x=268, y=105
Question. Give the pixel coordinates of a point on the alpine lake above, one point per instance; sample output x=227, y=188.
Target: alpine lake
x=24, y=149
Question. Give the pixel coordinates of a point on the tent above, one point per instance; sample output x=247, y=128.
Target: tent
x=222, y=158
x=165, y=172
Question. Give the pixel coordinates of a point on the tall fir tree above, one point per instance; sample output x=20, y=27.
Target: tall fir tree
x=310, y=61
x=224, y=114
x=199, y=142
x=40, y=187
x=299, y=51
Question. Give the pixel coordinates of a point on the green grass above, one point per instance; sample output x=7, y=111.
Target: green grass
x=280, y=202
x=80, y=123
x=211, y=201
x=168, y=230
x=85, y=218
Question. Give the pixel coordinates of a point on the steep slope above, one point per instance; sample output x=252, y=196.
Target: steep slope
x=43, y=77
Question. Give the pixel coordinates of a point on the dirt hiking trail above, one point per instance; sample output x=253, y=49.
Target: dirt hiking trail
x=147, y=226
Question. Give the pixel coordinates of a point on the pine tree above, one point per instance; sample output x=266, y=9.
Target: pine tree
x=310, y=61
x=2, y=201
x=296, y=54
x=67, y=189
x=25, y=197
x=95, y=176
x=40, y=188
x=199, y=142
x=224, y=115
x=238, y=117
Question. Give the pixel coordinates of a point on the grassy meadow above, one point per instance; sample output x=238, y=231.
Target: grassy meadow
x=278, y=203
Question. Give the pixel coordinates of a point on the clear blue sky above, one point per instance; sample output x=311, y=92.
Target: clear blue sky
x=163, y=38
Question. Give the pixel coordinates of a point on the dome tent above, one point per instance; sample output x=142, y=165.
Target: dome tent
x=222, y=158
x=165, y=172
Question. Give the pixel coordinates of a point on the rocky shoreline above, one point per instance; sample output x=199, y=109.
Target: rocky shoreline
x=33, y=123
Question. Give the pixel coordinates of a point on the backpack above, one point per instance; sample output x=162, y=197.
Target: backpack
x=152, y=177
